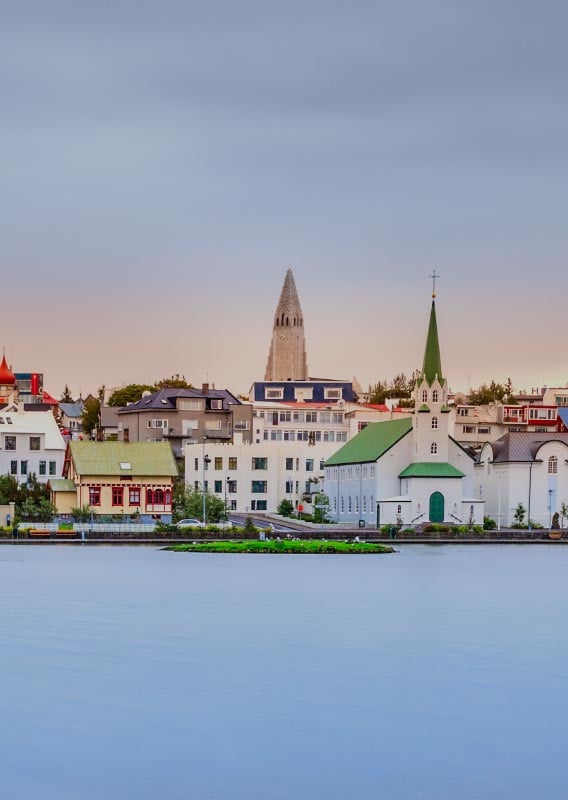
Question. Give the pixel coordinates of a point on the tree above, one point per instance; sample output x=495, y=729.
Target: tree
x=285, y=508
x=90, y=418
x=189, y=503
x=175, y=382
x=66, y=397
x=321, y=507
x=492, y=393
x=129, y=394
x=401, y=386
x=563, y=512
x=520, y=512
x=9, y=489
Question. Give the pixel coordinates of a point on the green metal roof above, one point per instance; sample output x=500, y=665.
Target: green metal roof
x=372, y=442
x=423, y=408
x=428, y=469
x=123, y=458
x=432, y=366
x=61, y=485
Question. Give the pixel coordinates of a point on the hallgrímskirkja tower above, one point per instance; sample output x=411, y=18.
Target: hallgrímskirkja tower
x=287, y=358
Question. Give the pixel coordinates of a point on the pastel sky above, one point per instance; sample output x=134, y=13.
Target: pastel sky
x=164, y=163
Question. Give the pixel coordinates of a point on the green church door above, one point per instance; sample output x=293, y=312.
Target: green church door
x=437, y=507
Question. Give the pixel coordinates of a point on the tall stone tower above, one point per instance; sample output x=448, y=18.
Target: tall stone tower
x=287, y=358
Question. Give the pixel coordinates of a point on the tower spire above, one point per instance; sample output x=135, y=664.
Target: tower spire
x=432, y=365
x=287, y=356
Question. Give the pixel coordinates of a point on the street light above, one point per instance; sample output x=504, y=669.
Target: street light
x=227, y=482
x=206, y=461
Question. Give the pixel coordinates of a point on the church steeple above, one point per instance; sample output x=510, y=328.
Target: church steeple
x=432, y=365
x=287, y=358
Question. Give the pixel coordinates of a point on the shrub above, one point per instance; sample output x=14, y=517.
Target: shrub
x=489, y=523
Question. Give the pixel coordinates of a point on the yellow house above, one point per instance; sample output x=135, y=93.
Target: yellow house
x=117, y=478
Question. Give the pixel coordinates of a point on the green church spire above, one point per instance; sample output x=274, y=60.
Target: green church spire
x=432, y=366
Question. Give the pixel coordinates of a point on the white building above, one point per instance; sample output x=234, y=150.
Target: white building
x=30, y=443
x=407, y=471
x=527, y=468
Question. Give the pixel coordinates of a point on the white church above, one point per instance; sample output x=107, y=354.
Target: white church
x=407, y=471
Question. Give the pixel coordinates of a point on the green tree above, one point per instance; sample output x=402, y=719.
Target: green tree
x=286, y=508
x=492, y=393
x=66, y=397
x=189, y=503
x=129, y=394
x=91, y=416
x=9, y=489
x=321, y=507
x=520, y=513
x=175, y=382
x=563, y=512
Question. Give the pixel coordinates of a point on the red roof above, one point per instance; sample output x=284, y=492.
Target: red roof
x=7, y=377
x=47, y=398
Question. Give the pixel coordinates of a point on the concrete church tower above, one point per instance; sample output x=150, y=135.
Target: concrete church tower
x=431, y=418
x=287, y=358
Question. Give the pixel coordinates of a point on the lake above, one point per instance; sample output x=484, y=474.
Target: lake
x=433, y=673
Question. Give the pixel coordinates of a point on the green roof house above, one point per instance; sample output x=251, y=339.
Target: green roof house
x=407, y=471
x=118, y=479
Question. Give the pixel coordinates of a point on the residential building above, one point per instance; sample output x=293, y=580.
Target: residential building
x=117, y=478
x=407, y=471
x=528, y=468
x=70, y=418
x=30, y=443
x=185, y=416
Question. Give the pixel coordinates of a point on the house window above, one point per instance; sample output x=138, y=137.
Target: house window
x=35, y=442
x=43, y=467
x=232, y=462
x=372, y=470
x=435, y=396
x=94, y=495
x=433, y=448
x=311, y=416
x=332, y=394
x=337, y=417
x=325, y=416
x=399, y=509
x=9, y=442
x=434, y=422
x=356, y=504
x=213, y=424
x=53, y=467
x=261, y=505
x=424, y=396
x=309, y=464
x=218, y=486
x=259, y=487
x=232, y=486
x=274, y=394
x=341, y=436
x=285, y=416
x=117, y=495
x=552, y=465
x=217, y=405
x=468, y=428
x=289, y=463
x=191, y=405
x=157, y=423
x=349, y=504
x=259, y=463
x=218, y=462
x=13, y=467
x=196, y=464
x=134, y=496
x=23, y=467
x=484, y=429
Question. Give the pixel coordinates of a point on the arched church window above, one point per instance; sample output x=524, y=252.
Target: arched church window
x=349, y=504
x=434, y=422
x=433, y=448
x=399, y=509
x=435, y=396
x=424, y=396
x=287, y=321
x=552, y=465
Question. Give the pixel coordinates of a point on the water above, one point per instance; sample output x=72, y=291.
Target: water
x=436, y=673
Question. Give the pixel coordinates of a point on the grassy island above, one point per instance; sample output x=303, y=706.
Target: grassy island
x=314, y=546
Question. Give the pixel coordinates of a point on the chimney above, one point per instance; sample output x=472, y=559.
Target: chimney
x=204, y=388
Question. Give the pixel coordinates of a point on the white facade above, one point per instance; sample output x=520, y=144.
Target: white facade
x=257, y=477
x=539, y=483
x=30, y=443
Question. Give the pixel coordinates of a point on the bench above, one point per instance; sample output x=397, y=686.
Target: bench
x=65, y=533
x=39, y=532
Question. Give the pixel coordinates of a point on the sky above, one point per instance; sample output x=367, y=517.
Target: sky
x=163, y=164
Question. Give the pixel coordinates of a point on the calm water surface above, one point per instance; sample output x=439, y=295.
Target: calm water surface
x=435, y=673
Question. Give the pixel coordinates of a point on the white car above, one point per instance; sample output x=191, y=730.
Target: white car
x=189, y=523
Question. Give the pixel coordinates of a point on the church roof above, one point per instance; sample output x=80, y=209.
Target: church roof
x=289, y=302
x=431, y=469
x=432, y=366
x=7, y=377
x=523, y=445
x=372, y=443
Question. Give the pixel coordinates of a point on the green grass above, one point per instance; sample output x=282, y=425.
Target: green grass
x=283, y=546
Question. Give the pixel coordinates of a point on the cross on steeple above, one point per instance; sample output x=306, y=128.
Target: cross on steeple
x=434, y=275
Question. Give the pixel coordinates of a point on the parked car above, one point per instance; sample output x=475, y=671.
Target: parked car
x=189, y=523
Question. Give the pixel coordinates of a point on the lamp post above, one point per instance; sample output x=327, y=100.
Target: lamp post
x=206, y=461
x=227, y=482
